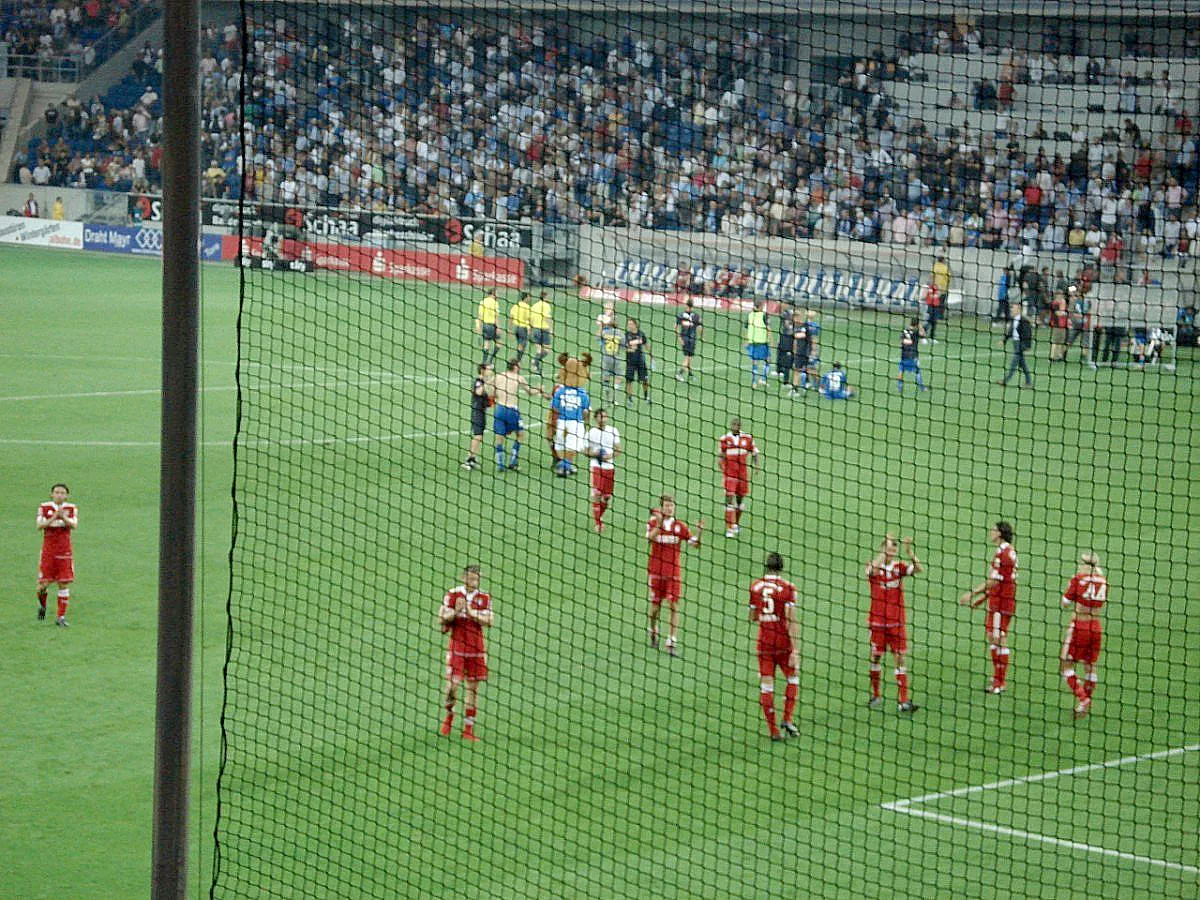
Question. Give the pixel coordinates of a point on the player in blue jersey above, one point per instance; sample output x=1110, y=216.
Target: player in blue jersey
x=834, y=385
x=910, y=337
x=572, y=414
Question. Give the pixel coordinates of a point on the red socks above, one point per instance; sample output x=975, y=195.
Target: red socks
x=598, y=507
x=789, y=699
x=1089, y=685
x=1076, y=688
x=1002, y=665
x=64, y=598
x=766, y=699
x=874, y=681
x=902, y=682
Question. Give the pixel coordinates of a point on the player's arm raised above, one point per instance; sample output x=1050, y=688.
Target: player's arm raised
x=912, y=557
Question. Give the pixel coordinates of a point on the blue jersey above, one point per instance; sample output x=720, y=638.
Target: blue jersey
x=833, y=385
x=571, y=403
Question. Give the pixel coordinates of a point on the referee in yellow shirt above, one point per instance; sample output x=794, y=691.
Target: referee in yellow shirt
x=487, y=324
x=518, y=321
x=541, y=325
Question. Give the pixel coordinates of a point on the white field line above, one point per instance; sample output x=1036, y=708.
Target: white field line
x=1047, y=839
x=905, y=807
x=388, y=378
x=258, y=443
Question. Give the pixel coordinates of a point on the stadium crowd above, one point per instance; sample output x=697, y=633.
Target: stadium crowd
x=40, y=33
x=456, y=118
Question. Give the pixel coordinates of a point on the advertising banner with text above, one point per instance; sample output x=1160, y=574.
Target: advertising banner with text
x=41, y=232
x=351, y=225
x=416, y=265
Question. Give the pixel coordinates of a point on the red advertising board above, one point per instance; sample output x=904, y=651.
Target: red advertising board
x=417, y=265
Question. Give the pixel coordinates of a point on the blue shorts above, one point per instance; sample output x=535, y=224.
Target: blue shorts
x=843, y=394
x=507, y=421
x=909, y=365
x=758, y=352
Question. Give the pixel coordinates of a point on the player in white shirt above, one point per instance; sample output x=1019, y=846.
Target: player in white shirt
x=603, y=445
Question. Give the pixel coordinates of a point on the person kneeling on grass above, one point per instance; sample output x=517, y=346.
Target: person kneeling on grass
x=834, y=385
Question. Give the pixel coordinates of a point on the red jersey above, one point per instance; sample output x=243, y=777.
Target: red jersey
x=1087, y=591
x=666, y=546
x=736, y=450
x=56, y=537
x=772, y=597
x=1002, y=581
x=887, y=592
x=466, y=635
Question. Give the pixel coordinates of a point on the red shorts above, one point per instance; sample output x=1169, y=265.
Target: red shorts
x=738, y=485
x=770, y=660
x=466, y=668
x=997, y=622
x=1082, y=643
x=664, y=587
x=602, y=481
x=57, y=568
x=888, y=637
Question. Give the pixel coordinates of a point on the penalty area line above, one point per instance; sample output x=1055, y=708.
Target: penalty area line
x=907, y=807
x=1040, y=838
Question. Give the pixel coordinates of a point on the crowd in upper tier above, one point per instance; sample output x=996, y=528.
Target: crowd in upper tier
x=454, y=117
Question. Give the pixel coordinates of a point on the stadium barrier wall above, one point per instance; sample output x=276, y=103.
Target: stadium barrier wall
x=41, y=232
x=975, y=272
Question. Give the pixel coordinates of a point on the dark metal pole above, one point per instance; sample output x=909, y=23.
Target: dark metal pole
x=177, y=503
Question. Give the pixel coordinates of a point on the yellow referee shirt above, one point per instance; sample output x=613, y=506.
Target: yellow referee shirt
x=489, y=310
x=539, y=315
x=519, y=315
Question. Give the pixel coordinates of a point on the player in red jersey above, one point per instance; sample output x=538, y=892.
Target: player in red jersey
x=1087, y=592
x=56, y=519
x=736, y=454
x=888, y=617
x=465, y=612
x=667, y=535
x=1000, y=591
x=773, y=607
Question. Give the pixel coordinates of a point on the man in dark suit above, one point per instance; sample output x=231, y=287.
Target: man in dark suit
x=1020, y=332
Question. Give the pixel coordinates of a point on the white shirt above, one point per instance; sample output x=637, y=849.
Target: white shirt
x=606, y=440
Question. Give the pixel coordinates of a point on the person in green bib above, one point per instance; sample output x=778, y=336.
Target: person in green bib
x=758, y=345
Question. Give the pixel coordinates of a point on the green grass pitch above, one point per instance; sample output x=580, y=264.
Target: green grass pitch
x=606, y=769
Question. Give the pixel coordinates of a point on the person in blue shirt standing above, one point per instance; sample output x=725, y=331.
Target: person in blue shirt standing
x=571, y=405
x=910, y=337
